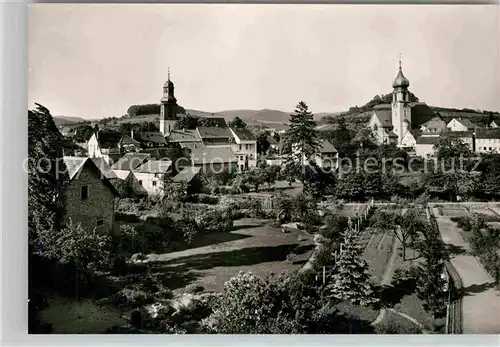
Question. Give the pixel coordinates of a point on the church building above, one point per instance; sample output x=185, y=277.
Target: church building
x=400, y=121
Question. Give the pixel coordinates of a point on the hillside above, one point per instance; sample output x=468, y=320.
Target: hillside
x=63, y=120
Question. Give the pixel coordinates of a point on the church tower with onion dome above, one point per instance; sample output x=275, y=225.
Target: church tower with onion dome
x=401, y=110
x=168, y=108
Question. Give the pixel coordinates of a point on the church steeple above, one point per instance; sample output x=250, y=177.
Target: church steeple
x=401, y=110
x=400, y=81
x=168, y=108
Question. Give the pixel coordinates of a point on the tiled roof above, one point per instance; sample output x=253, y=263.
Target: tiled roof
x=184, y=135
x=187, y=174
x=384, y=117
x=212, y=155
x=327, y=147
x=154, y=166
x=420, y=114
x=435, y=122
x=465, y=122
x=104, y=168
x=427, y=140
x=130, y=161
x=111, y=139
x=457, y=134
x=488, y=133
x=214, y=132
x=150, y=136
x=244, y=134
x=76, y=164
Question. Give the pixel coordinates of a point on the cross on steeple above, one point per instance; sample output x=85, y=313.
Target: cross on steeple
x=400, y=61
x=169, y=73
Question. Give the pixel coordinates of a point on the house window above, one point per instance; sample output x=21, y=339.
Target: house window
x=240, y=147
x=140, y=182
x=489, y=148
x=84, y=192
x=154, y=183
x=99, y=222
x=375, y=127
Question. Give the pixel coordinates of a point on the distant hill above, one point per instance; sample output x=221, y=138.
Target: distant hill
x=63, y=120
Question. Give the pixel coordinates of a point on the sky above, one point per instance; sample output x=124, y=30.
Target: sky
x=94, y=61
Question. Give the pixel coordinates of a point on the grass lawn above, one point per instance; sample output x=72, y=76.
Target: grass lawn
x=69, y=316
x=394, y=323
x=253, y=246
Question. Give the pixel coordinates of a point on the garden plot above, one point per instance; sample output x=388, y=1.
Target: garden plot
x=453, y=210
x=255, y=247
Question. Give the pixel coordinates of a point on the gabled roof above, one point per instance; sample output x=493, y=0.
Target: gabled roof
x=111, y=139
x=427, y=140
x=327, y=147
x=187, y=174
x=154, y=167
x=104, y=167
x=384, y=117
x=465, y=122
x=457, y=134
x=214, y=133
x=420, y=113
x=434, y=122
x=150, y=136
x=244, y=134
x=74, y=165
x=488, y=133
x=184, y=135
x=130, y=161
x=214, y=155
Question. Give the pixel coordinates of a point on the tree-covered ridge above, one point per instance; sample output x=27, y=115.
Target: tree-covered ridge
x=146, y=109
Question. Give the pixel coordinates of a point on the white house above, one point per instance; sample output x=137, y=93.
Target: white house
x=460, y=124
x=494, y=124
x=128, y=163
x=151, y=175
x=328, y=156
x=409, y=140
x=487, y=140
x=466, y=137
x=244, y=148
x=433, y=127
x=110, y=145
x=424, y=146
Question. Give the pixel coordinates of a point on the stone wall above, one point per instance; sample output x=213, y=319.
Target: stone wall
x=99, y=204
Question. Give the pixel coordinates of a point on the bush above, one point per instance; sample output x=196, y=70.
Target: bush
x=291, y=258
x=462, y=222
x=206, y=199
x=133, y=296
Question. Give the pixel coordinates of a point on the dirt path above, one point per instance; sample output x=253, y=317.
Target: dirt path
x=481, y=301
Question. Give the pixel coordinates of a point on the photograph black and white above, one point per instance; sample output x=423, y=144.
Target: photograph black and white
x=263, y=169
